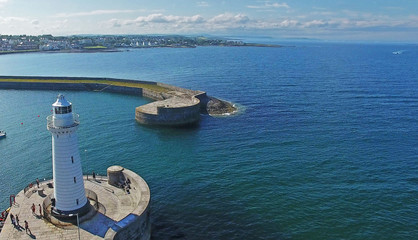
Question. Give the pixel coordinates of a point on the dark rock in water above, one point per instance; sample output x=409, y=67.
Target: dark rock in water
x=218, y=107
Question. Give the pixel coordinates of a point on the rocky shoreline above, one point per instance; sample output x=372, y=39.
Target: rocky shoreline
x=218, y=107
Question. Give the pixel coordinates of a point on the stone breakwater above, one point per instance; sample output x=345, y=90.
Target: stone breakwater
x=174, y=106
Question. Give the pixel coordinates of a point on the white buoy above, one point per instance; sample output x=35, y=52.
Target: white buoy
x=69, y=190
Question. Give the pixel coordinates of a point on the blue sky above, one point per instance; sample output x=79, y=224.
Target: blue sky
x=368, y=20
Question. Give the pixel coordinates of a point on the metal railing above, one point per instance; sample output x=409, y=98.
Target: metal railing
x=50, y=122
x=47, y=203
x=93, y=196
x=28, y=187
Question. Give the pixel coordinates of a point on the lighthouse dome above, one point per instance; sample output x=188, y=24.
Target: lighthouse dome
x=61, y=101
x=62, y=112
x=62, y=106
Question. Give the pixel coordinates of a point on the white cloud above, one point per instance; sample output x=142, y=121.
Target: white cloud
x=159, y=20
x=324, y=13
x=315, y=23
x=228, y=18
x=19, y=25
x=236, y=22
x=291, y=20
x=202, y=4
x=312, y=23
x=289, y=23
x=11, y=20
x=3, y=2
x=278, y=5
x=268, y=5
x=115, y=22
x=95, y=12
x=172, y=23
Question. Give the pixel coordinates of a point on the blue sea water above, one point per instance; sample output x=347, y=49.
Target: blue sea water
x=325, y=145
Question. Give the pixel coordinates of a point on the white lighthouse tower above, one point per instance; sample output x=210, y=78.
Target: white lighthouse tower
x=69, y=193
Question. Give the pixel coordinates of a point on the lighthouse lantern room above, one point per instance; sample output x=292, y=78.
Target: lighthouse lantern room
x=69, y=192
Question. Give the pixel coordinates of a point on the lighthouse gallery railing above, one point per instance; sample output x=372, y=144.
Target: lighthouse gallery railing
x=50, y=121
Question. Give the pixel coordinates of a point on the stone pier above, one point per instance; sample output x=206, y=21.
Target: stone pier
x=121, y=212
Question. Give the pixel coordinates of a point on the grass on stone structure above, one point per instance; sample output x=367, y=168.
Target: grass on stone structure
x=150, y=86
x=20, y=51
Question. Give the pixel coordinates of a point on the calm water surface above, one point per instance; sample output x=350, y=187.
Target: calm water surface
x=325, y=145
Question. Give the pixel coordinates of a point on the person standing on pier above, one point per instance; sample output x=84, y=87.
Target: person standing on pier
x=17, y=221
x=40, y=210
x=33, y=209
x=27, y=227
x=13, y=219
x=37, y=182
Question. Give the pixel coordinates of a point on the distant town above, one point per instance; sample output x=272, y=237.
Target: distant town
x=79, y=43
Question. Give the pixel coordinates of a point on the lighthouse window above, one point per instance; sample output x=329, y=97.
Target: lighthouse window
x=66, y=109
x=76, y=201
x=62, y=110
x=72, y=159
x=75, y=180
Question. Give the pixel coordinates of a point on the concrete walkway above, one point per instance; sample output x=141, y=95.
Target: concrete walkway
x=115, y=204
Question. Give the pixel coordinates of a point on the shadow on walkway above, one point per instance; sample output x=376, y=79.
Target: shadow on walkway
x=98, y=225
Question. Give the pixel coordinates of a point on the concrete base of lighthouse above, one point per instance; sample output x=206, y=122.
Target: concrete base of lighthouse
x=71, y=214
x=60, y=218
x=117, y=214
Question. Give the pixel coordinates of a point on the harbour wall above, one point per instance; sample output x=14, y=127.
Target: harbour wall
x=155, y=95
x=169, y=116
x=46, y=78
x=203, y=98
x=72, y=86
x=137, y=224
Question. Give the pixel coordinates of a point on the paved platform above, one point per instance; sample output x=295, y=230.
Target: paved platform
x=174, y=102
x=115, y=205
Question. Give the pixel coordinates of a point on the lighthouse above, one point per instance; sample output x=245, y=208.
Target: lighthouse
x=69, y=192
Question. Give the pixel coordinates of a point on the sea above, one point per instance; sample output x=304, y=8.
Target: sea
x=324, y=144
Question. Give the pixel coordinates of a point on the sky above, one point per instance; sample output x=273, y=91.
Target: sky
x=342, y=20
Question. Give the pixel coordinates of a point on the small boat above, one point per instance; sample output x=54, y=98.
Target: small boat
x=2, y=134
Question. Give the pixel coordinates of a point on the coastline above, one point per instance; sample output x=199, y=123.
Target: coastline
x=108, y=50
x=61, y=51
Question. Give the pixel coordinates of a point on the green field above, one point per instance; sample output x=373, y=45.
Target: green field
x=95, y=47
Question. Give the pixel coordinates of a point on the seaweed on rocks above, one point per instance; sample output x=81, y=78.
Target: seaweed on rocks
x=219, y=107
